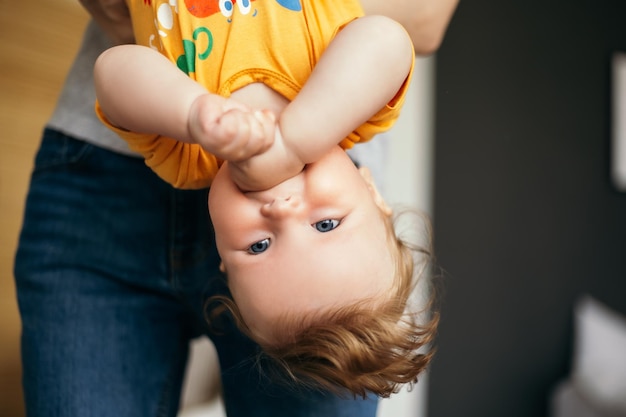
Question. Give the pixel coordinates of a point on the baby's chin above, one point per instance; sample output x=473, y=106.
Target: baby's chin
x=288, y=188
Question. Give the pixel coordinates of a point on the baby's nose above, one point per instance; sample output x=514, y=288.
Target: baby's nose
x=283, y=207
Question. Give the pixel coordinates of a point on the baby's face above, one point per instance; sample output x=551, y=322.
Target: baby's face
x=314, y=241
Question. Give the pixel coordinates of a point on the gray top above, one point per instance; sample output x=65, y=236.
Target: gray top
x=74, y=114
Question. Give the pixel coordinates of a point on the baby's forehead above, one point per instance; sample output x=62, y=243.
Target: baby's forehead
x=310, y=287
x=287, y=327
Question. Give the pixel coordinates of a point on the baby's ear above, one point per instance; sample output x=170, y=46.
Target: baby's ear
x=378, y=199
x=222, y=267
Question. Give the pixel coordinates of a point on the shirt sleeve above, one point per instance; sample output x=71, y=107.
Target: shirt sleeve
x=183, y=165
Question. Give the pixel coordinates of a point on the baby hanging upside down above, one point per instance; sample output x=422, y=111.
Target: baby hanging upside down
x=317, y=275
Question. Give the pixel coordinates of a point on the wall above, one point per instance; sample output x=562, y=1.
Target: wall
x=526, y=218
x=407, y=182
x=36, y=51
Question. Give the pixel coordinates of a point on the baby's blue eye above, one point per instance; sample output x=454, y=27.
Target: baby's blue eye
x=259, y=247
x=326, y=225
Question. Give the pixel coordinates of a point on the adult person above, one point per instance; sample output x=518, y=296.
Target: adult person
x=113, y=265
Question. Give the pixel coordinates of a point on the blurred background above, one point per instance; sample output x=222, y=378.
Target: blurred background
x=526, y=215
x=517, y=180
x=38, y=39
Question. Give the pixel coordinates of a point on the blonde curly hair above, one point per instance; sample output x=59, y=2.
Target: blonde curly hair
x=370, y=346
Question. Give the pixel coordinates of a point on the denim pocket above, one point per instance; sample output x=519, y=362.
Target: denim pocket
x=58, y=150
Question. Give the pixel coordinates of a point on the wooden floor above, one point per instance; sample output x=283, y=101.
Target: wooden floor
x=38, y=39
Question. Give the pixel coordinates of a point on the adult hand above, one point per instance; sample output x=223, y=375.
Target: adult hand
x=426, y=21
x=113, y=17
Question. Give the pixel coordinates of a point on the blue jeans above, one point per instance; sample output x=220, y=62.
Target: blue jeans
x=112, y=272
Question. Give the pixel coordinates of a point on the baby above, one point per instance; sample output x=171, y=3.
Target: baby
x=258, y=100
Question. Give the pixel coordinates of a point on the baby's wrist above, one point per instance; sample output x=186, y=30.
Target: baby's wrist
x=203, y=110
x=291, y=157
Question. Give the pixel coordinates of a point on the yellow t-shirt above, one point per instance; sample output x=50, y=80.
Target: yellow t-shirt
x=226, y=45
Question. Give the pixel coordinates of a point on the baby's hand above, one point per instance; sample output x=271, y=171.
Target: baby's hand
x=267, y=169
x=229, y=129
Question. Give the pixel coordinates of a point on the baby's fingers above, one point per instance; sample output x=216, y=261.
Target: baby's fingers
x=243, y=134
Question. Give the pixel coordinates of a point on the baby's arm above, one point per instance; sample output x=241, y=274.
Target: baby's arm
x=142, y=91
x=425, y=21
x=359, y=73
